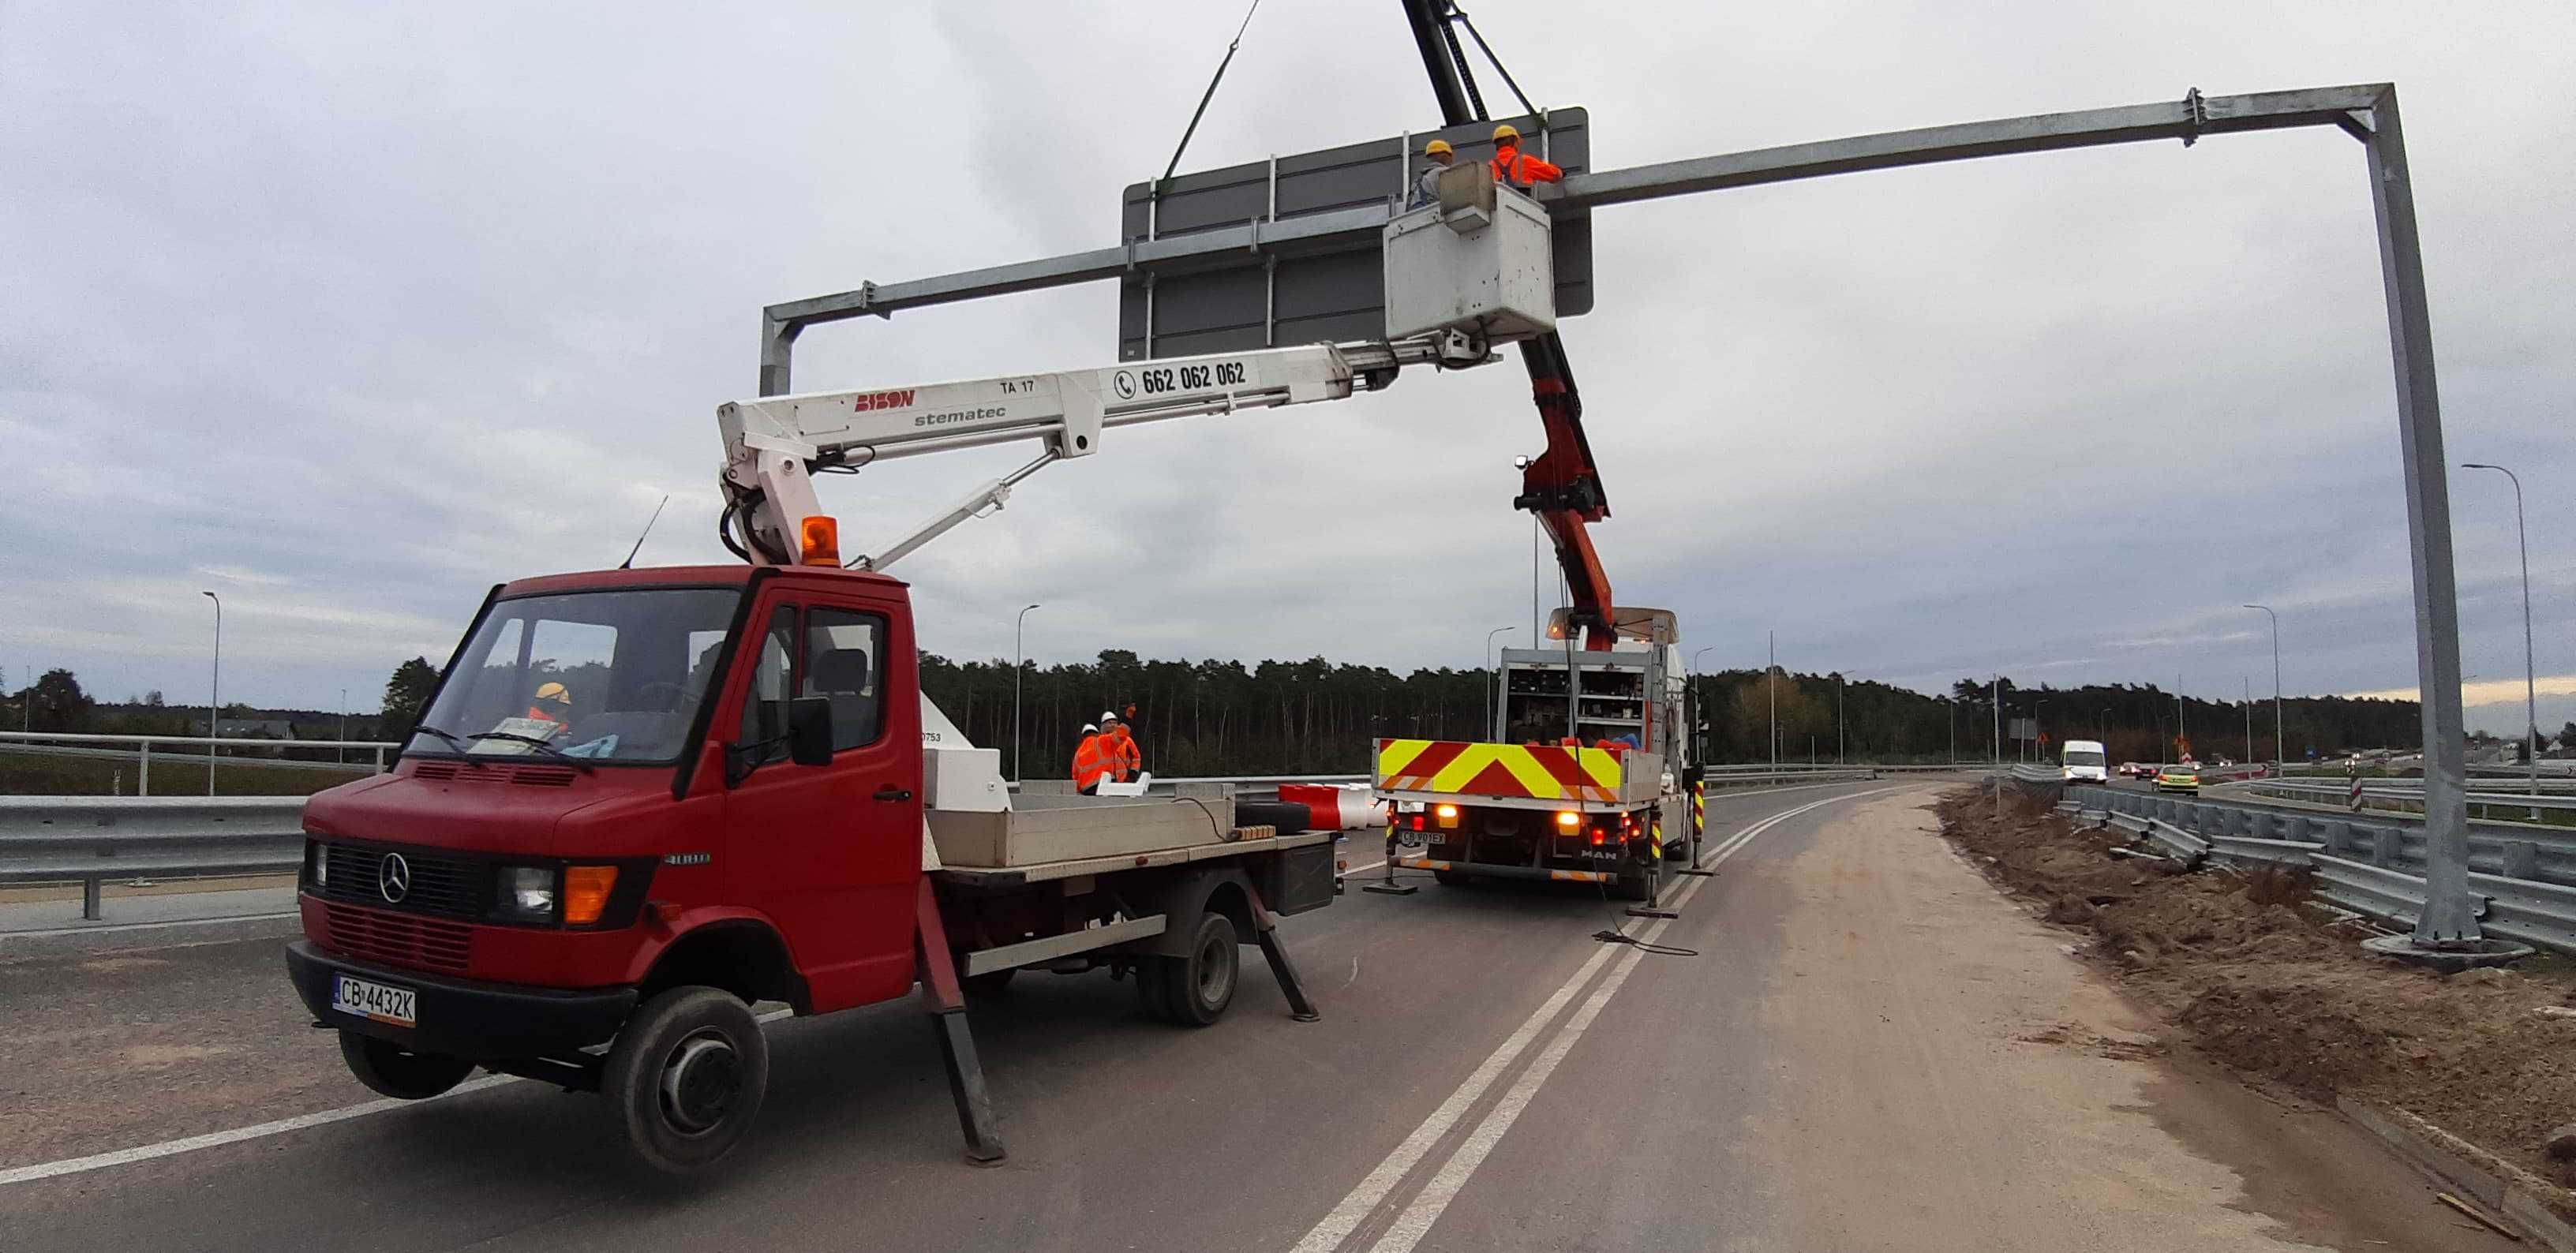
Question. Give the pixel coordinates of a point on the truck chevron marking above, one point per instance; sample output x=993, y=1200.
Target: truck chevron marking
x=1533, y=771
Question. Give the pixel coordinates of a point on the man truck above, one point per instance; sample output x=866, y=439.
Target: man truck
x=1585, y=777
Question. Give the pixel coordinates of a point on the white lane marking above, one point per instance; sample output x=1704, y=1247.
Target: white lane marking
x=1337, y=1225
x=213, y=1139
x=1373, y=1190
x=1417, y=1218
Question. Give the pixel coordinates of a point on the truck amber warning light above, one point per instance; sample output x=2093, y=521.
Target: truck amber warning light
x=822, y=545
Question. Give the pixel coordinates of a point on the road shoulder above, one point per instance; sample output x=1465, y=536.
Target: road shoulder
x=1944, y=1075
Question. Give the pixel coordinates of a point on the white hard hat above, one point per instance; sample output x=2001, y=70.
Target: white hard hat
x=1091, y=726
x=1108, y=717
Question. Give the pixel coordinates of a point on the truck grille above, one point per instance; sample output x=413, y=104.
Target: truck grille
x=397, y=940
x=440, y=884
x=526, y=776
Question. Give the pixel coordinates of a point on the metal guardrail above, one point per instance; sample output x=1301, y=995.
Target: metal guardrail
x=2407, y=797
x=2524, y=876
x=33, y=740
x=93, y=839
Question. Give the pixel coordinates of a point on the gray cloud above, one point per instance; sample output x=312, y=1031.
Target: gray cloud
x=348, y=315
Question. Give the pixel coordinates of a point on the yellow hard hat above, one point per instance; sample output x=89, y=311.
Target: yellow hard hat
x=1507, y=133
x=1437, y=147
x=554, y=692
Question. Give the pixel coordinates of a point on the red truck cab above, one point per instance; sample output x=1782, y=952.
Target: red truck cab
x=723, y=810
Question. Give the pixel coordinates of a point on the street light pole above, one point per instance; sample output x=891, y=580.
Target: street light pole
x=1771, y=681
x=214, y=692
x=1493, y=681
x=1838, y=717
x=2280, y=763
x=1017, y=623
x=2530, y=683
x=341, y=754
x=2249, y=716
x=2035, y=733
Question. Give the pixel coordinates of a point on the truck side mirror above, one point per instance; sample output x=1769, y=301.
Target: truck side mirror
x=809, y=731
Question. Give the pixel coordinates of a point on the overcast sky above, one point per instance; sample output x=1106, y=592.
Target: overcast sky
x=347, y=313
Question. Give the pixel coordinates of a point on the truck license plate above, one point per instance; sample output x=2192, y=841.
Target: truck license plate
x=373, y=1000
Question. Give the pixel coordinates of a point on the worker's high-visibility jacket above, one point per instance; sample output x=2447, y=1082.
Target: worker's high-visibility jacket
x=1091, y=760
x=1124, y=756
x=1515, y=168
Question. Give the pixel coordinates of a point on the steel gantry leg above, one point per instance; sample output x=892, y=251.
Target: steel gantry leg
x=947, y=1003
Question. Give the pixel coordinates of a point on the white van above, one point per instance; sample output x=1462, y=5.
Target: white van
x=2084, y=762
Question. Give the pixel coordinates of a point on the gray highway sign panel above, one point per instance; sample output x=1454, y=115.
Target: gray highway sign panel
x=1313, y=290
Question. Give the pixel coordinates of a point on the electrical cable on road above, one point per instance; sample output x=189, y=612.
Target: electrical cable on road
x=1618, y=932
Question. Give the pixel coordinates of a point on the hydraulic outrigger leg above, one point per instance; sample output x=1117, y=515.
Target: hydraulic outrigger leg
x=947, y=1003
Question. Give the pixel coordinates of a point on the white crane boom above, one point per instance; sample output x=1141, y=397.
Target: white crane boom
x=774, y=445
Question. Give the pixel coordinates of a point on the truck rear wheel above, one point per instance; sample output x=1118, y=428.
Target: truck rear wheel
x=989, y=983
x=398, y=1072
x=686, y=1076
x=1195, y=990
x=1639, y=886
x=1451, y=878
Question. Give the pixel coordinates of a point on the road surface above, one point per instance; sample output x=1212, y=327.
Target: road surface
x=1870, y=1049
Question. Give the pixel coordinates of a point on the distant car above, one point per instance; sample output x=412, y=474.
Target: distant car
x=2179, y=779
x=2136, y=770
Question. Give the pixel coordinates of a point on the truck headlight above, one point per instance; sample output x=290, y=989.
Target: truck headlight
x=321, y=864
x=527, y=893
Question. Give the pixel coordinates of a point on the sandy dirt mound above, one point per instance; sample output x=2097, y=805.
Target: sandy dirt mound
x=2256, y=979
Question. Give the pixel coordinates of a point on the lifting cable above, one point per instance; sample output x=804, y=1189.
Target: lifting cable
x=1210, y=94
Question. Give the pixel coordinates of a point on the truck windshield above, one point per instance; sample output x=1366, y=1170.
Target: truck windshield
x=2080, y=757
x=609, y=676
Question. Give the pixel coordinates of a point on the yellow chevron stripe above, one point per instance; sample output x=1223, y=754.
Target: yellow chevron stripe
x=1600, y=764
x=1398, y=754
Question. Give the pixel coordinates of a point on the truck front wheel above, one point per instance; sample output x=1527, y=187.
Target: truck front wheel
x=398, y=1072
x=686, y=1076
x=1194, y=990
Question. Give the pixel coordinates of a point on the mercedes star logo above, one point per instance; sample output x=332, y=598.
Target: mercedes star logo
x=393, y=878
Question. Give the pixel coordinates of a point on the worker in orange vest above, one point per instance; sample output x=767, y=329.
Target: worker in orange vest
x=1091, y=761
x=1123, y=755
x=553, y=704
x=1518, y=169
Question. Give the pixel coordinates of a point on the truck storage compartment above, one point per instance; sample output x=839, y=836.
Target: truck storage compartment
x=1298, y=879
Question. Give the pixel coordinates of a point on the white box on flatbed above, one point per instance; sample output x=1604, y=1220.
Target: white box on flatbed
x=1048, y=828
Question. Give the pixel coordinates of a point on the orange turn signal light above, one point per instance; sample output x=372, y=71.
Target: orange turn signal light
x=822, y=540
x=1568, y=819
x=586, y=893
